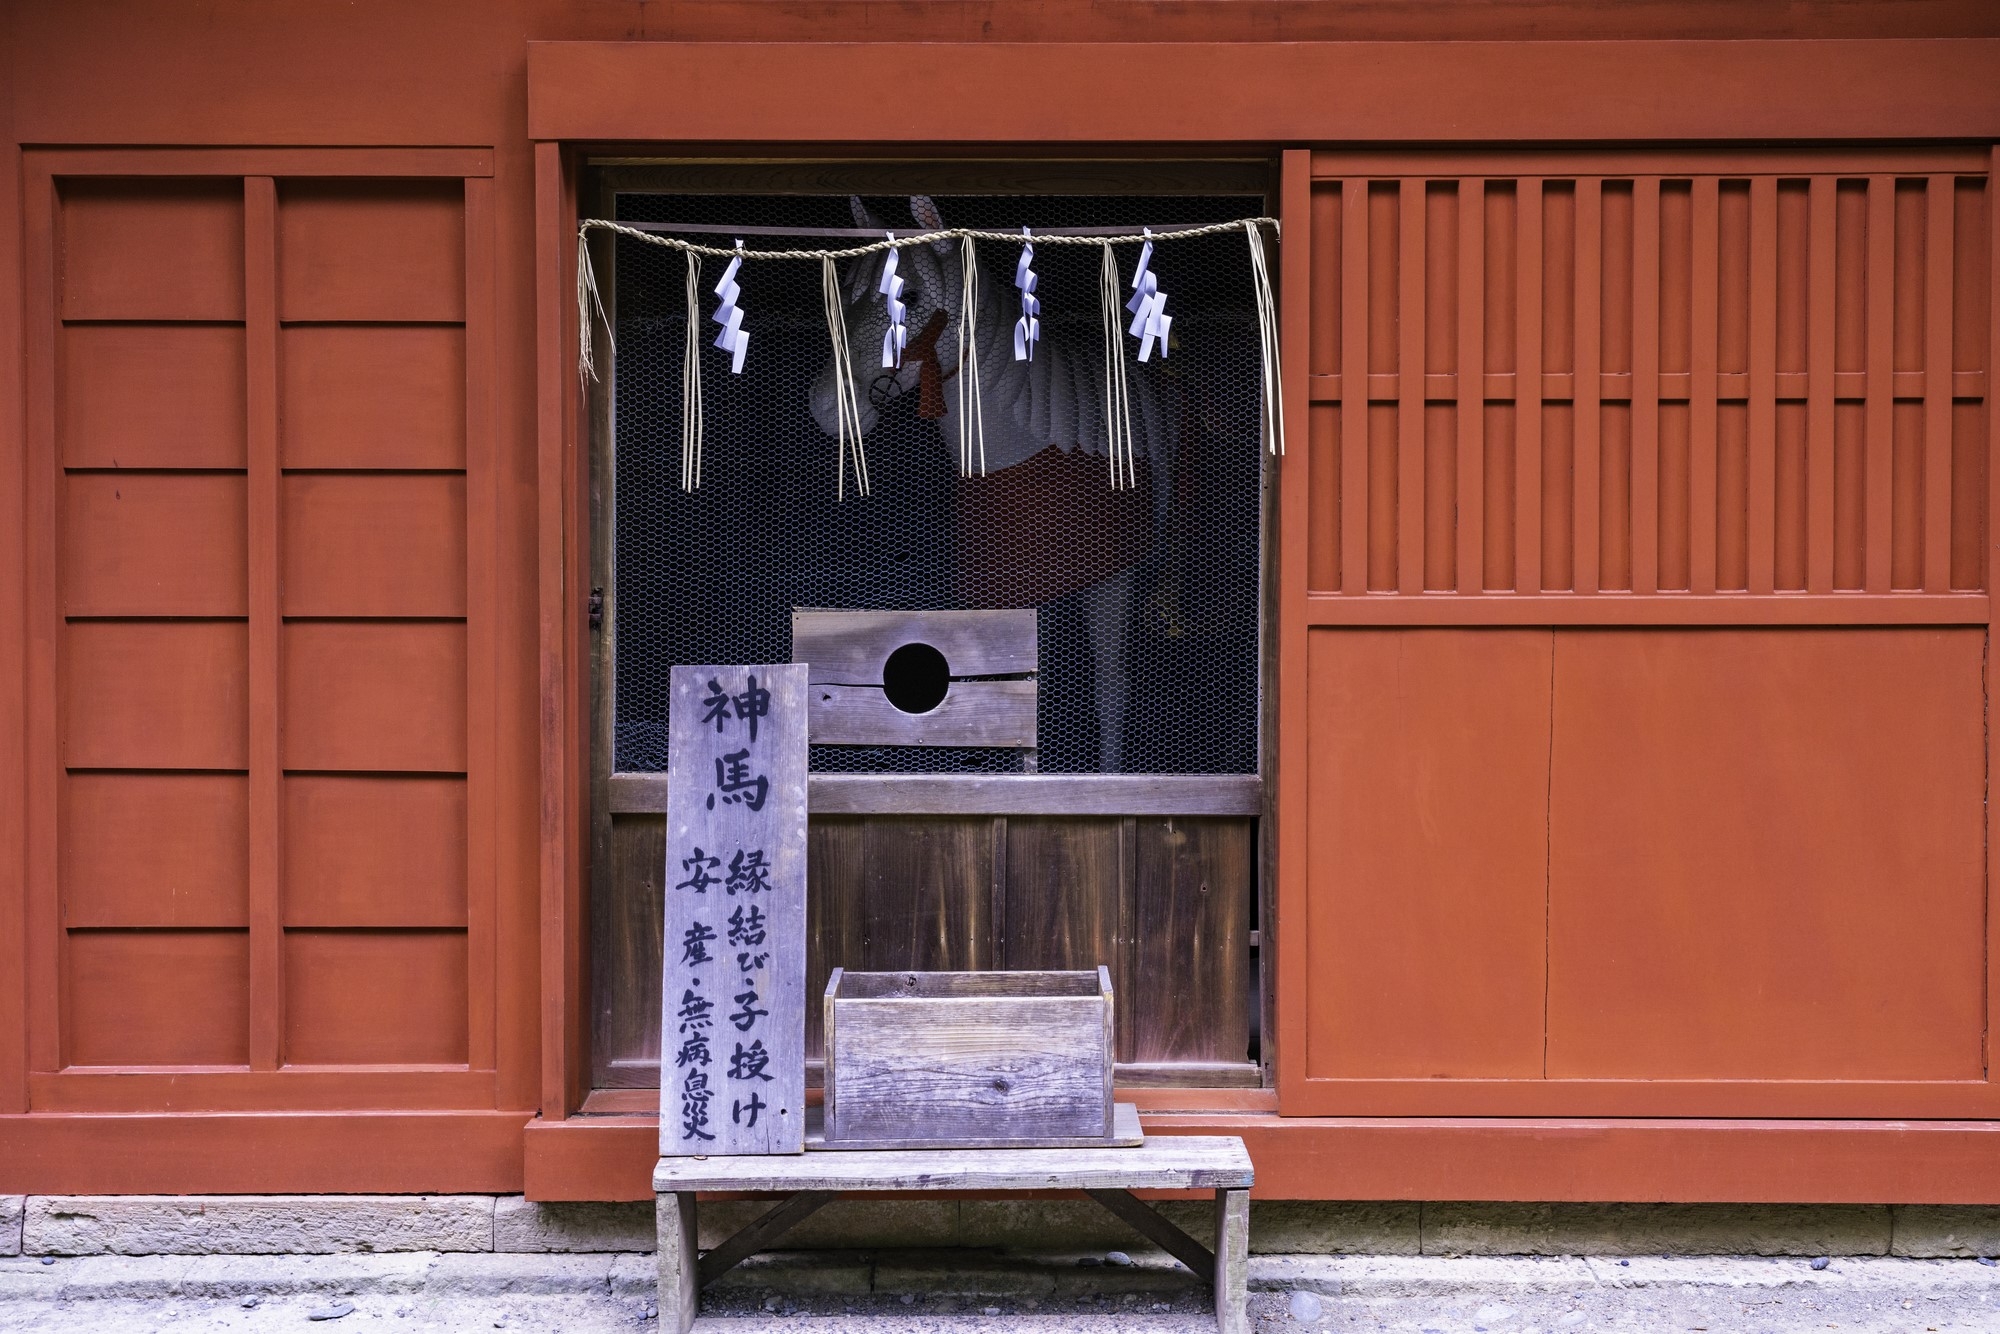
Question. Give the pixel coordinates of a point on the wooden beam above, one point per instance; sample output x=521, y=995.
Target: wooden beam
x=761, y=1234
x=992, y=794
x=1148, y=1223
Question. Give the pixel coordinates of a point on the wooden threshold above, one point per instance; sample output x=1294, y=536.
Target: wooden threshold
x=991, y=794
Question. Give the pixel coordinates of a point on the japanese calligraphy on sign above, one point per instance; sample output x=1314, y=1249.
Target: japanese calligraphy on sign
x=732, y=1032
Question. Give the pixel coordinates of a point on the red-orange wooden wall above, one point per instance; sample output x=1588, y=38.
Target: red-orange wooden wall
x=1710, y=837
x=1632, y=554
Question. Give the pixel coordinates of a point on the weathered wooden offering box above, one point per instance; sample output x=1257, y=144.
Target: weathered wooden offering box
x=962, y=1060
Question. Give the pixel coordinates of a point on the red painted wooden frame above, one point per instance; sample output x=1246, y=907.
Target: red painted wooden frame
x=757, y=99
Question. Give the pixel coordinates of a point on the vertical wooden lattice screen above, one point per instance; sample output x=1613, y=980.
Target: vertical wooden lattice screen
x=1758, y=375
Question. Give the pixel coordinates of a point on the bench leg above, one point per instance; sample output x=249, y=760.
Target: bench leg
x=679, y=1237
x=1232, y=1261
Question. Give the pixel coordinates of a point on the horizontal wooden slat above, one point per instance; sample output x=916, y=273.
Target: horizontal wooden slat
x=375, y=997
x=972, y=713
x=372, y=396
x=849, y=647
x=374, y=544
x=371, y=250
x=374, y=695
x=1649, y=609
x=152, y=250
x=156, y=695
x=152, y=396
x=1625, y=165
x=167, y=849
x=983, y=794
x=1614, y=387
x=158, y=998
x=267, y=161
x=1164, y=1162
x=154, y=544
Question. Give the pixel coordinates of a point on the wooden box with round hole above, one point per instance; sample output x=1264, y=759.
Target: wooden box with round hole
x=918, y=678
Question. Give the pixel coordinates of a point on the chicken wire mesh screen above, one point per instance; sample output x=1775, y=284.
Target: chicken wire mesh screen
x=1146, y=599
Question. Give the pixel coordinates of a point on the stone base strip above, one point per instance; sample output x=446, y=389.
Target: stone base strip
x=255, y=1224
x=344, y=1224
x=1427, y=1279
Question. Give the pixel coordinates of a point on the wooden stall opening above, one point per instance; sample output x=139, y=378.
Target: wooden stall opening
x=1108, y=825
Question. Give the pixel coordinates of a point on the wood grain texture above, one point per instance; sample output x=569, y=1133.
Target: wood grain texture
x=836, y=880
x=628, y=934
x=1125, y=1133
x=734, y=962
x=374, y=851
x=156, y=695
x=371, y=250
x=374, y=695
x=972, y=713
x=991, y=794
x=678, y=1241
x=152, y=250
x=849, y=647
x=1191, y=929
x=1163, y=1162
x=1232, y=1261
x=927, y=901
x=374, y=544
x=380, y=396
x=1021, y=1057
x=1148, y=1223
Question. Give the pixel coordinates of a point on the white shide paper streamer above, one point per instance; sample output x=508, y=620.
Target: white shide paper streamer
x=1148, y=305
x=734, y=338
x=1027, y=329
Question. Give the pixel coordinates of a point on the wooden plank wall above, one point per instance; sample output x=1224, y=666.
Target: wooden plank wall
x=1607, y=375
x=1640, y=603
x=1163, y=902
x=271, y=846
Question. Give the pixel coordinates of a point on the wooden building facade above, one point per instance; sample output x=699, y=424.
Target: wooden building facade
x=1622, y=828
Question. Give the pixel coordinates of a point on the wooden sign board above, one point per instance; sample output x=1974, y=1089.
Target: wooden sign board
x=733, y=1018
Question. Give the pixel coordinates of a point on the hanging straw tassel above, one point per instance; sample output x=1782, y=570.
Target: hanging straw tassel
x=1117, y=402
x=971, y=413
x=845, y=404
x=1267, y=337
x=691, y=423
x=587, y=299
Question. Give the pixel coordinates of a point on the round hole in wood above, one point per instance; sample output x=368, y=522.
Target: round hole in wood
x=915, y=678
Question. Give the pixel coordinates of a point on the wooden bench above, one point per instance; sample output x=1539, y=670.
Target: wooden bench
x=1109, y=1176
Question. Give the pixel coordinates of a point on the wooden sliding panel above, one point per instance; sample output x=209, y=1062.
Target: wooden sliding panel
x=1426, y=855
x=1766, y=855
x=1679, y=807
x=260, y=699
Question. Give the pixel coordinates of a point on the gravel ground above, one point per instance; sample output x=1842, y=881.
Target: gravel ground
x=1409, y=1295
